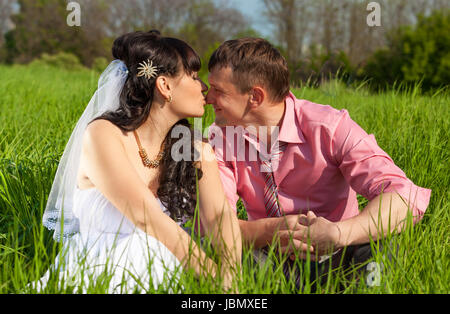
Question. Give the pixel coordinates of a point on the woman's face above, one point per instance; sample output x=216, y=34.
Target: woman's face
x=188, y=98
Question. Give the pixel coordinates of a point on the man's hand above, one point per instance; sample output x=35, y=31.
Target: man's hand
x=297, y=231
x=323, y=234
x=287, y=233
x=291, y=233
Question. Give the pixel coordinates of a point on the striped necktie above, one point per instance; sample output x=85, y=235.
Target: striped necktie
x=270, y=187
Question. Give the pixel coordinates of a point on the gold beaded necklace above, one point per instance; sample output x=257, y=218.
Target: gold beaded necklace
x=145, y=160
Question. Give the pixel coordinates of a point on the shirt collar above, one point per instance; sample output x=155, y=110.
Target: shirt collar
x=290, y=131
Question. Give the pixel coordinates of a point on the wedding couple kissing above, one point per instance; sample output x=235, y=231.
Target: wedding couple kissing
x=120, y=200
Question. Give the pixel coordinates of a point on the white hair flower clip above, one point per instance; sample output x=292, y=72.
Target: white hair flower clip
x=147, y=69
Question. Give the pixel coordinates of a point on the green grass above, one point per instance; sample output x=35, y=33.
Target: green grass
x=39, y=106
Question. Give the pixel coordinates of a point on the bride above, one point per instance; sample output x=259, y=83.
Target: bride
x=119, y=198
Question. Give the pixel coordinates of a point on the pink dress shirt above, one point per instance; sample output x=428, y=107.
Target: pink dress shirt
x=328, y=160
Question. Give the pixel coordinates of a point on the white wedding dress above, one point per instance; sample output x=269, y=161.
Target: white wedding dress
x=108, y=242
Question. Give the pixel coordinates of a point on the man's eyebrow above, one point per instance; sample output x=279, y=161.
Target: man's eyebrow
x=213, y=85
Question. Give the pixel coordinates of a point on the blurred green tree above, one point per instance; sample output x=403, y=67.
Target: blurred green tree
x=414, y=54
x=41, y=27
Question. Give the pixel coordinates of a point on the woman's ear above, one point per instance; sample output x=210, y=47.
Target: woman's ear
x=163, y=86
x=257, y=96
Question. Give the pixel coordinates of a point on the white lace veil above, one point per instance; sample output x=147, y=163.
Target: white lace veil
x=58, y=215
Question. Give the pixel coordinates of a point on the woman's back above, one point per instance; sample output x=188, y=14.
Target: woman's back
x=127, y=148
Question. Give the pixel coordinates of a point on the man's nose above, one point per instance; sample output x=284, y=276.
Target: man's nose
x=209, y=98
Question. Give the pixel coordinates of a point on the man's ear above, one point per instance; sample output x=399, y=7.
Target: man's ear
x=257, y=96
x=163, y=86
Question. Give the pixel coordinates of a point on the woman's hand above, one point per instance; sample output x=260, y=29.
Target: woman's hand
x=230, y=284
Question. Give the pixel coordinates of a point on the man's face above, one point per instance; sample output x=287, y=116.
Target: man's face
x=230, y=106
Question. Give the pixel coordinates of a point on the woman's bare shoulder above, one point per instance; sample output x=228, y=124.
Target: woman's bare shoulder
x=102, y=126
x=102, y=130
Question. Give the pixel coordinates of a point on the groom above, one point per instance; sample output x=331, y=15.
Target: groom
x=311, y=160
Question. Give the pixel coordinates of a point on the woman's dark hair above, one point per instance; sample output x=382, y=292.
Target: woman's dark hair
x=177, y=180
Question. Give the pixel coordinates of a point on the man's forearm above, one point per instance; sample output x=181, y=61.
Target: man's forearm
x=258, y=233
x=385, y=213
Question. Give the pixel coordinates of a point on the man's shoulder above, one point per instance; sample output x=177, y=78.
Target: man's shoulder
x=311, y=114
